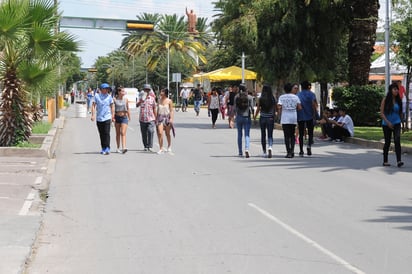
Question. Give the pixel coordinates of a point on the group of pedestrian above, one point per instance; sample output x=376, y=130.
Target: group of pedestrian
x=107, y=109
x=293, y=107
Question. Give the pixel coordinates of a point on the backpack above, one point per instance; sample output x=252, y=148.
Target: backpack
x=242, y=101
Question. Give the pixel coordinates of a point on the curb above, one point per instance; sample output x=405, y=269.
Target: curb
x=48, y=141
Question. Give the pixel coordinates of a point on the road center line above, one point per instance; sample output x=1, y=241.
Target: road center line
x=308, y=240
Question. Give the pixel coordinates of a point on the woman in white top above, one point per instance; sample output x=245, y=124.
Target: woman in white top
x=213, y=104
x=164, y=120
x=122, y=118
x=288, y=104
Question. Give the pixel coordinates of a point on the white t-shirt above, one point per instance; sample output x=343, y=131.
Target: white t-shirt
x=185, y=93
x=289, y=103
x=347, y=124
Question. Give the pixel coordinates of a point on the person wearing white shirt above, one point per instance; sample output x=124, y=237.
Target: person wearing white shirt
x=288, y=105
x=344, y=127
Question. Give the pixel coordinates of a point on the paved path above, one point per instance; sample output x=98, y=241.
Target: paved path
x=205, y=210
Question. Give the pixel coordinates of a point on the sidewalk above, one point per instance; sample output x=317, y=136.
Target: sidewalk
x=24, y=179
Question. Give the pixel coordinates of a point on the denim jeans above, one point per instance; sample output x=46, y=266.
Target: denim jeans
x=266, y=124
x=243, y=123
x=197, y=104
x=147, y=130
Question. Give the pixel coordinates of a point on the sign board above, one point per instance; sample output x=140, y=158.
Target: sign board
x=176, y=77
x=131, y=95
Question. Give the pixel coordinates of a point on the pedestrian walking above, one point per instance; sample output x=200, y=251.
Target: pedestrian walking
x=266, y=106
x=242, y=105
x=222, y=101
x=213, y=105
x=197, y=99
x=288, y=105
x=306, y=116
x=103, y=113
x=391, y=114
x=122, y=118
x=148, y=113
x=184, y=95
x=230, y=101
x=164, y=120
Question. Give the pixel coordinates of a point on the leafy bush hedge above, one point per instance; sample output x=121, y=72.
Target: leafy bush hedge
x=362, y=103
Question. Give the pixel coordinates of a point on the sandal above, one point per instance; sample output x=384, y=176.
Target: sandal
x=386, y=164
x=400, y=164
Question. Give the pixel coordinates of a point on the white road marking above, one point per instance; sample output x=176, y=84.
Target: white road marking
x=38, y=180
x=27, y=203
x=5, y=198
x=308, y=240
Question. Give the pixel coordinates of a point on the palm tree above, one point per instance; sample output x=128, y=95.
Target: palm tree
x=29, y=49
x=184, y=48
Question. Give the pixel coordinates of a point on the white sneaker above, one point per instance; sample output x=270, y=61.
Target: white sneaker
x=264, y=155
x=160, y=151
x=118, y=150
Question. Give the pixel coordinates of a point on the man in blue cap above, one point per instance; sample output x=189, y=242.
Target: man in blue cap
x=103, y=113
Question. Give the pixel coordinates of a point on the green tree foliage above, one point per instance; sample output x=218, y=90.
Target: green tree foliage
x=362, y=103
x=29, y=53
x=285, y=40
x=186, y=51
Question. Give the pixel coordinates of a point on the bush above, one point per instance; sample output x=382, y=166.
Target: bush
x=362, y=103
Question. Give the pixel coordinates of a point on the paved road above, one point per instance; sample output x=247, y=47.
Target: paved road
x=205, y=210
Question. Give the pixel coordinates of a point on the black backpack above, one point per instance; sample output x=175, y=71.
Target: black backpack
x=242, y=101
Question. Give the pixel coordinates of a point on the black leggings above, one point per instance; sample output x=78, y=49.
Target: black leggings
x=289, y=135
x=215, y=113
x=387, y=133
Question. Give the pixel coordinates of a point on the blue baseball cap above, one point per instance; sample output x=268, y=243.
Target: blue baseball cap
x=104, y=85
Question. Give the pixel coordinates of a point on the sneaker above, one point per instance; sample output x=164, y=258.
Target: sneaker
x=270, y=153
x=264, y=155
x=160, y=151
x=124, y=150
x=118, y=150
x=102, y=152
x=338, y=140
x=301, y=153
x=149, y=149
x=145, y=149
x=247, y=154
x=309, y=151
x=107, y=151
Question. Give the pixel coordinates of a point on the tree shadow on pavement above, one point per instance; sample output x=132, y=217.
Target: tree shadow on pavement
x=404, y=216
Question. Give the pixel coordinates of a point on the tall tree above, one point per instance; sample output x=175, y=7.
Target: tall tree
x=28, y=43
x=363, y=22
x=184, y=49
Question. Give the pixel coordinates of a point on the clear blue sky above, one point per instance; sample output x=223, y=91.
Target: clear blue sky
x=97, y=43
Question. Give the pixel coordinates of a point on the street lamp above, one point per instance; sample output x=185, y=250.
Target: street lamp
x=168, y=55
x=387, y=53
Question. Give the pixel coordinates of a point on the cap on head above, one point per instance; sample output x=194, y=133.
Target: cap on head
x=104, y=85
x=147, y=86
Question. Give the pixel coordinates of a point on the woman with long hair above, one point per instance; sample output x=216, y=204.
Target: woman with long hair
x=213, y=104
x=164, y=120
x=391, y=114
x=266, y=106
x=122, y=118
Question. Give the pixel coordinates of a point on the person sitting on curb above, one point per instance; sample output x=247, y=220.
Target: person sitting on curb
x=343, y=127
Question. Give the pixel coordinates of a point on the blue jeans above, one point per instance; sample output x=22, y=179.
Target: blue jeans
x=197, y=104
x=243, y=122
x=266, y=124
x=147, y=130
